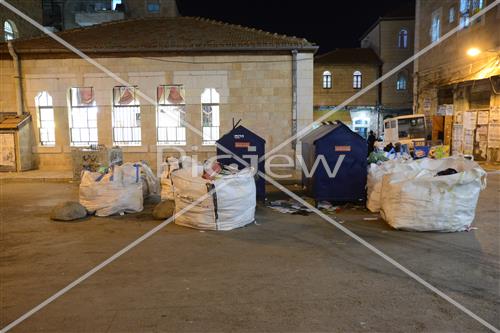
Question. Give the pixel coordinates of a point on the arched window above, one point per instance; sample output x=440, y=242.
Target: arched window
x=10, y=30
x=210, y=115
x=357, y=80
x=403, y=39
x=46, y=123
x=327, y=80
x=401, y=82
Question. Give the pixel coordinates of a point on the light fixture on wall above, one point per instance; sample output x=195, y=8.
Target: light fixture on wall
x=473, y=52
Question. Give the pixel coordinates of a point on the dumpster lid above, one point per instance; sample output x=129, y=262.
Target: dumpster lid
x=323, y=130
x=12, y=121
x=244, y=129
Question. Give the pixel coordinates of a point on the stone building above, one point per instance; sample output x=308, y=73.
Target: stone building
x=59, y=15
x=176, y=68
x=391, y=37
x=457, y=83
x=14, y=26
x=340, y=74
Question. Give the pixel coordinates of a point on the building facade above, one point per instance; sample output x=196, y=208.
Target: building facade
x=392, y=38
x=340, y=74
x=59, y=15
x=457, y=82
x=237, y=73
x=14, y=26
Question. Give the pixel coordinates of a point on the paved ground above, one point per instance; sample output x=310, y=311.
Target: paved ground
x=288, y=273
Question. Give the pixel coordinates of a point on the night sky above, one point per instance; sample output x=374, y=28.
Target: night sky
x=310, y=19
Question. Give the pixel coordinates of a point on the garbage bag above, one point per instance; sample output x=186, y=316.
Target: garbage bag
x=108, y=195
x=421, y=201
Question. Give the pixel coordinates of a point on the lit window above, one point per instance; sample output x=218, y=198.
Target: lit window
x=451, y=15
x=360, y=126
x=10, y=30
x=47, y=127
x=171, y=115
x=153, y=7
x=126, y=117
x=210, y=116
x=83, y=117
x=403, y=39
x=401, y=82
x=465, y=7
x=327, y=80
x=436, y=26
x=477, y=5
x=115, y=3
x=357, y=80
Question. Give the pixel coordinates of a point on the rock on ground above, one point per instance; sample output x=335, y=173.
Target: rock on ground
x=164, y=210
x=68, y=211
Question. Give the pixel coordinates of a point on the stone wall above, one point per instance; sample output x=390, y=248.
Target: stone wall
x=138, y=8
x=342, y=81
x=25, y=29
x=255, y=88
x=7, y=85
x=393, y=56
x=448, y=63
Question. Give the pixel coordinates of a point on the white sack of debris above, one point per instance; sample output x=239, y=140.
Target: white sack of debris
x=129, y=172
x=112, y=193
x=374, y=181
x=421, y=200
x=230, y=206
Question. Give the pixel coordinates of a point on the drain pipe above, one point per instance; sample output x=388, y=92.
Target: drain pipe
x=294, y=96
x=17, y=77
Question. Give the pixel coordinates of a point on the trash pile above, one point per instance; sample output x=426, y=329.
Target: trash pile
x=289, y=207
x=118, y=189
x=426, y=194
x=223, y=197
x=293, y=207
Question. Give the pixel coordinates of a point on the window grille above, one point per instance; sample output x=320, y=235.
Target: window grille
x=46, y=121
x=171, y=114
x=126, y=117
x=83, y=117
x=210, y=116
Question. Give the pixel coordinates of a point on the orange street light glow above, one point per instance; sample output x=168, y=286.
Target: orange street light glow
x=473, y=51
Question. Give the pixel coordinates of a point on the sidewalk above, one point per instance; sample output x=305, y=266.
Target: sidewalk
x=36, y=176
x=489, y=167
x=67, y=176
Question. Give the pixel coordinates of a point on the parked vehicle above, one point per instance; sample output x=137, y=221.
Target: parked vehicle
x=405, y=130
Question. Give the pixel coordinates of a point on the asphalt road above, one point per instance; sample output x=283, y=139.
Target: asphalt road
x=287, y=273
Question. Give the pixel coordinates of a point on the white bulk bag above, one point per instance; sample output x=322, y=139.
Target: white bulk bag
x=107, y=196
x=421, y=201
x=231, y=206
x=374, y=181
x=131, y=173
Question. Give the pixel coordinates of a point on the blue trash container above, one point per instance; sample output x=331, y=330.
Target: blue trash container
x=330, y=143
x=248, y=146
